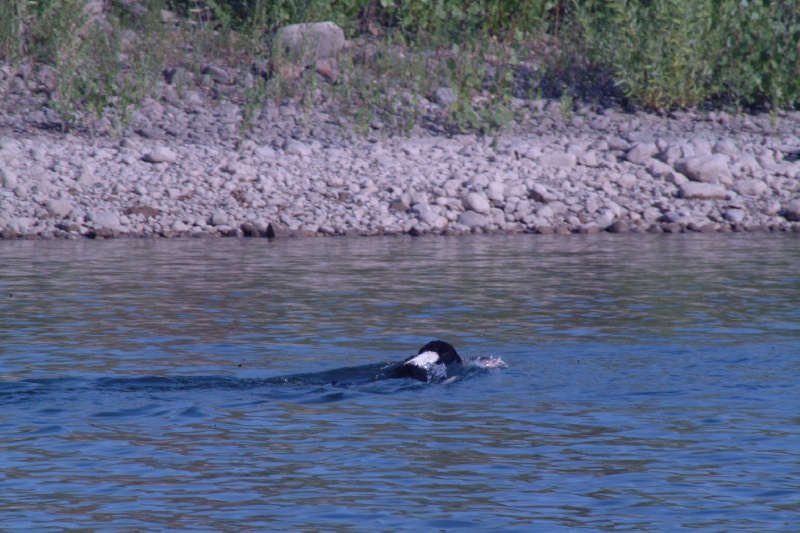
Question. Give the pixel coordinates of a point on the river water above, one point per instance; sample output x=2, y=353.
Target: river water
x=206, y=385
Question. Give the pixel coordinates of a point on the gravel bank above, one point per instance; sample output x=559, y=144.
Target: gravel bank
x=182, y=169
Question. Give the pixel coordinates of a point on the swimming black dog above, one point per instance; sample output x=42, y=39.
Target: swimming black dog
x=433, y=361
x=436, y=362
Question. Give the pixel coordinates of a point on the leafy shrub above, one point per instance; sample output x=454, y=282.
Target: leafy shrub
x=449, y=18
x=760, y=58
x=681, y=53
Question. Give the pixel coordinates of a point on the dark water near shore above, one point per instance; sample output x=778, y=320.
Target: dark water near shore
x=654, y=384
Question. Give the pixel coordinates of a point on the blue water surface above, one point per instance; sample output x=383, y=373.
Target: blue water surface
x=224, y=385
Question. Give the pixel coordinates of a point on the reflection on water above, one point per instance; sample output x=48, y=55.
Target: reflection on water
x=153, y=385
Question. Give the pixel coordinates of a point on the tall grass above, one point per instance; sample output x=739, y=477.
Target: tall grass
x=760, y=59
x=677, y=53
x=102, y=71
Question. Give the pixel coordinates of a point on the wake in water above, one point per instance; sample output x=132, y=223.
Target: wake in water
x=436, y=362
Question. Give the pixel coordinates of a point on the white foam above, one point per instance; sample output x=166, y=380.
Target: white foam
x=437, y=373
x=487, y=362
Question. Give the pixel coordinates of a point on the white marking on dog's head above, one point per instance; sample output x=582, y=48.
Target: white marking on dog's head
x=424, y=360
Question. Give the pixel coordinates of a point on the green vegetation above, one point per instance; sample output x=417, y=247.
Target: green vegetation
x=104, y=66
x=659, y=54
x=678, y=53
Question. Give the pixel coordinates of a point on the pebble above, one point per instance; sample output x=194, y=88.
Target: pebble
x=179, y=226
x=702, y=191
x=220, y=218
x=726, y=146
x=294, y=147
x=735, y=216
x=542, y=194
x=558, y=159
x=59, y=208
x=9, y=179
x=10, y=144
x=751, y=187
x=476, y=202
x=793, y=211
x=641, y=152
x=472, y=219
x=588, y=159
x=87, y=178
x=104, y=219
x=265, y=152
x=161, y=154
x=182, y=168
x=604, y=219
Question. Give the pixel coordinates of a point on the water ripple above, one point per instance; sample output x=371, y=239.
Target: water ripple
x=229, y=385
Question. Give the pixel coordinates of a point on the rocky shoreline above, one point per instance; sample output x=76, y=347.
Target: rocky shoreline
x=182, y=168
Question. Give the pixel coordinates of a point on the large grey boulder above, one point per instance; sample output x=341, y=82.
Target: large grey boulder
x=301, y=46
x=705, y=168
x=308, y=43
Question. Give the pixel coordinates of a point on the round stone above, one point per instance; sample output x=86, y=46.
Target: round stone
x=161, y=154
x=476, y=202
x=472, y=219
x=59, y=208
